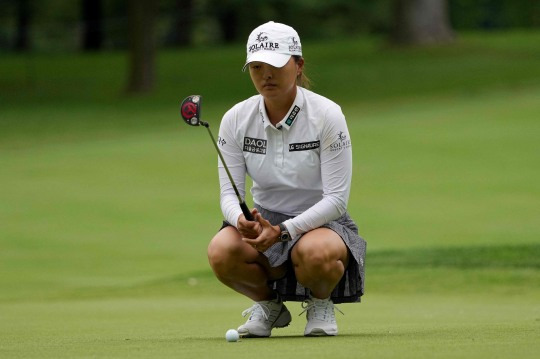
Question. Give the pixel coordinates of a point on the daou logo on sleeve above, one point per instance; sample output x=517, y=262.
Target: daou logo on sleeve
x=255, y=145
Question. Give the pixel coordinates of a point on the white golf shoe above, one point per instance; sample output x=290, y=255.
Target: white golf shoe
x=264, y=316
x=321, y=320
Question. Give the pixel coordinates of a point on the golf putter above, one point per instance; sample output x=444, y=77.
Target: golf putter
x=190, y=109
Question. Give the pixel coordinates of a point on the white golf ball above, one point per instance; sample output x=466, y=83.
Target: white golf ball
x=232, y=335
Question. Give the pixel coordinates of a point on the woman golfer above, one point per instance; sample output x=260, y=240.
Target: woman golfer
x=295, y=145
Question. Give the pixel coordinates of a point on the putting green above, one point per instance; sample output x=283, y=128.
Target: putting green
x=384, y=326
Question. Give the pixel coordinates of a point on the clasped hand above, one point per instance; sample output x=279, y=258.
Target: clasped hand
x=260, y=234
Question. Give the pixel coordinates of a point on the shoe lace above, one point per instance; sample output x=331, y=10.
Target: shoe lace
x=320, y=310
x=256, y=311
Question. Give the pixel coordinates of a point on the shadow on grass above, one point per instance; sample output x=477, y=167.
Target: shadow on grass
x=522, y=256
x=459, y=259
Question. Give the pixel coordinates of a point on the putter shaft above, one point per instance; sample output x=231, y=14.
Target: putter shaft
x=243, y=205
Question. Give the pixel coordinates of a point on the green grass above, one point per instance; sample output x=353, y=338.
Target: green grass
x=107, y=203
x=411, y=326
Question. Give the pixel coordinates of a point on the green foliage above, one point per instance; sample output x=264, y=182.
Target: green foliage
x=494, y=14
x=55, y=24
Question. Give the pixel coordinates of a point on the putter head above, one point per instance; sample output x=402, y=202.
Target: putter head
x=190, y=109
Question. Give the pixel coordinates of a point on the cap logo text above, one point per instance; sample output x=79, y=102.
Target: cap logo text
x=295, y=47
x=263, y=44
x=262, y=37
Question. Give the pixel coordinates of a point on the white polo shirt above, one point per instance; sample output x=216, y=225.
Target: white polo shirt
x=302, y=167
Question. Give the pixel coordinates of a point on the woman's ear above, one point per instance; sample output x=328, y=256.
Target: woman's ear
x=299, y=66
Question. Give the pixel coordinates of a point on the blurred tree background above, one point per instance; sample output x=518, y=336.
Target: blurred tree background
x=52, y=25
x=145, y=26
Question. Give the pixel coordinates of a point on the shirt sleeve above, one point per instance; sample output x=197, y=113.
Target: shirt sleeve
x=336, y=173
x=234, y=158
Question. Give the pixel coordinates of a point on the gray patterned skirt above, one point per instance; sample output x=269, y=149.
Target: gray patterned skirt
x=351, y=286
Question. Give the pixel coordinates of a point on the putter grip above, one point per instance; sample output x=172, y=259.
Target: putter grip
x=246, y=211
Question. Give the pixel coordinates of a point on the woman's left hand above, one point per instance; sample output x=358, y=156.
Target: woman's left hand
x=268, y=236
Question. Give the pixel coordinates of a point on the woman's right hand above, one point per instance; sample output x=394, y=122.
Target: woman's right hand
x=249, y=229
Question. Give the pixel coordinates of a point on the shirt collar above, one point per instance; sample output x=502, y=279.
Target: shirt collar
x=292, y=115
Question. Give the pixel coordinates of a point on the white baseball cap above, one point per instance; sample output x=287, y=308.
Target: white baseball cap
x=272, y=43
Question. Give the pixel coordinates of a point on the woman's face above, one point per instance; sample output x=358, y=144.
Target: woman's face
x=273, y=82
